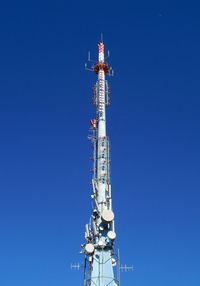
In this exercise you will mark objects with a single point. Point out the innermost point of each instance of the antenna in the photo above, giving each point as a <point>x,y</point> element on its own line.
<point>95,66</point>
<point>102,37</point>
<point>126,268</point>
<point>100,233</point>
<point>100,258</point>
<point>75,266</point>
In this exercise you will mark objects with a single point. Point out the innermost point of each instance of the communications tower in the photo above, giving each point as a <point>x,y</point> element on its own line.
<point>100,258</point>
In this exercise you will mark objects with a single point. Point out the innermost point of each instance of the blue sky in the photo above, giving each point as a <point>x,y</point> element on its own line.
<point>153,124</point>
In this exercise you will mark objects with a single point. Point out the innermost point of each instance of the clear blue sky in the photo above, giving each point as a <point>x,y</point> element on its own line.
<point>154,126</point>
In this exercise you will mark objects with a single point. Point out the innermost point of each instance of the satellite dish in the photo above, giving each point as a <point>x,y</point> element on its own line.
<point>107,216</point>
<point>89,248</point>
<point>111,235</point>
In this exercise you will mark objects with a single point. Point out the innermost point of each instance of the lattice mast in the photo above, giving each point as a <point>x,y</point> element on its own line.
<point>100,235</point>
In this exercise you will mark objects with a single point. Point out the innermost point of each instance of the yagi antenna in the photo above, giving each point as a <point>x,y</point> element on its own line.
<point>126,268</point>
<point>75,266</point>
